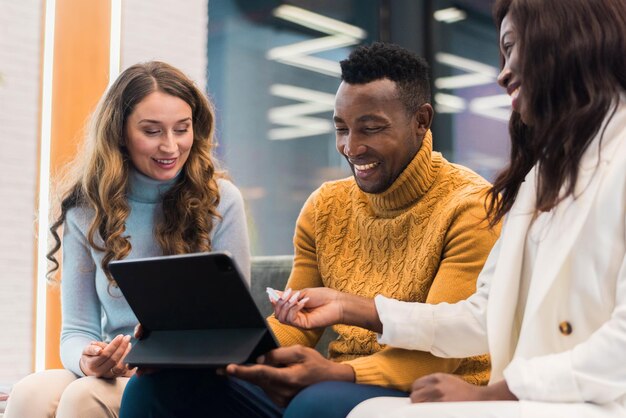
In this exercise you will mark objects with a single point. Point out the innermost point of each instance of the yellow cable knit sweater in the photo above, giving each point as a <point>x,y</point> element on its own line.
<point>423,239</point>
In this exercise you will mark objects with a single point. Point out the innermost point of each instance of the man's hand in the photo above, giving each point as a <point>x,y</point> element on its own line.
<point>316,307</point>
<point>284,372</point>
<point>106,360</point>
<point>442,387</point>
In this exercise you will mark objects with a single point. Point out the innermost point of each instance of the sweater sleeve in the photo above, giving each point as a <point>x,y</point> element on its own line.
<point>81,309</point>
<point>466,247</point>
<point>231,231</point>
<point>304,274</point>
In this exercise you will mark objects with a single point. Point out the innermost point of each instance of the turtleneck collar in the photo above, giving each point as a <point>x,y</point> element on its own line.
<point>144,189</point>
<point>411,184</point>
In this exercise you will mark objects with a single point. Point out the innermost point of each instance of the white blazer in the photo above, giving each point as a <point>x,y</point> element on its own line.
<point>572,344</point>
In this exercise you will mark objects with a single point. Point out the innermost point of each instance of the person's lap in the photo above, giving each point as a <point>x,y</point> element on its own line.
<point>201,393</point>
<point>334,399</point>
<point>386,407</point>
<point>194,393</point>
<point>61,393</point>
<point>403,408</point>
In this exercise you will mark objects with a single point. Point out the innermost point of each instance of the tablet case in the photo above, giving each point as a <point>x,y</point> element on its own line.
<point>196,311</point>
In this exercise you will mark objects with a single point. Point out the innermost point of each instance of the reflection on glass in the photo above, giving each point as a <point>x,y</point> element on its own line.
<point>472,111</point>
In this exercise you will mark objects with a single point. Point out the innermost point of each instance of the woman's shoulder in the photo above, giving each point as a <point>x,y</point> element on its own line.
<point>80,215</point>
<point>228,190</point>
<point>230,196</point>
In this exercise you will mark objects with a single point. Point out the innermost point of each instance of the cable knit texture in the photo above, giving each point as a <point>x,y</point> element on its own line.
<point>424,240</point>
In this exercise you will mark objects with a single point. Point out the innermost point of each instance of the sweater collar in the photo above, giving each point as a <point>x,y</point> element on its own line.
<point>411,184</point>
<point>144,189</point>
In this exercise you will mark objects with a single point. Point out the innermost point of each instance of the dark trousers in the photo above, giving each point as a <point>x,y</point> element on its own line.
<point>202,393</point>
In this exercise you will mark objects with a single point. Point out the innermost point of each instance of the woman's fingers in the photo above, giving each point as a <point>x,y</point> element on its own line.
<point>122,349</point>
<point>138,333</point>
<point>106,360</point>
<point>121,368</point>
<point>121,363</point>
<point>279,304</point>
<point>92,350</point>
<point>286,309</point>
<point>292,312</point>
<point>286,304</point>
<point>113,352</point>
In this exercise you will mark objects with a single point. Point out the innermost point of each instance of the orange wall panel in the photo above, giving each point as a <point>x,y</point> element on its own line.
<point>80,76</point>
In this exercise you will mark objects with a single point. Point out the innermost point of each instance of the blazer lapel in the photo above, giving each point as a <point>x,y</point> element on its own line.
<point>504,290</point>
<point>574,212</point>
<point>559,241</point>
<point>505,283</point>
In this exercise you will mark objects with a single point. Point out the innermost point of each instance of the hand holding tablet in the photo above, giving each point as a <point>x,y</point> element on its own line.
<point>184,305</point>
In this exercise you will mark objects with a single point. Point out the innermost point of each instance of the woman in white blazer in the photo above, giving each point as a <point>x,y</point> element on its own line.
<point>550,304</point>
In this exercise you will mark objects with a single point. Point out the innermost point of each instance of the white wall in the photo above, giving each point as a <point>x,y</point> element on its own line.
<point>20,50</point>
<point>166,30</point>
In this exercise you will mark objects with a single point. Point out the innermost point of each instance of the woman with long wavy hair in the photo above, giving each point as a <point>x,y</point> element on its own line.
<point>550,304</point>
<point>147,185</point>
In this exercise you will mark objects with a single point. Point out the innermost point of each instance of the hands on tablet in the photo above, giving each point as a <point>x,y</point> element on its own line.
<point>139,334</point>
<point>285,371</point>
<point>107,360</point>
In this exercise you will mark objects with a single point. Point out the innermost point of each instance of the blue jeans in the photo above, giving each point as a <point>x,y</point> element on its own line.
<point>202,393</point>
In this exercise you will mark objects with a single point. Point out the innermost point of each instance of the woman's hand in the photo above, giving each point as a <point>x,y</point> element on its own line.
<point>442,387</point>
<point>106,360</point>
<point>319,307</point>
<point>138,332</point>
<point>308,308</point>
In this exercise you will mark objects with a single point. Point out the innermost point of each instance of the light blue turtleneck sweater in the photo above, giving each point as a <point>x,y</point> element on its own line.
<point>94,310</point>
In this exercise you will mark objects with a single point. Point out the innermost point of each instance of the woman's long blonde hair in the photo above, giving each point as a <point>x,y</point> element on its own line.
<point>100,180</point>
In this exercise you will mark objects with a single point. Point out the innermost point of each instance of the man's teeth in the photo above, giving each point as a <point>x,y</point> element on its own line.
<point>165,161</point>
<point>365,166</point>
<point>515,93</point>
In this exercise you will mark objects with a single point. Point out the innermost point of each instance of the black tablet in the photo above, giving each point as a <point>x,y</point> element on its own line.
<point>196,310</point>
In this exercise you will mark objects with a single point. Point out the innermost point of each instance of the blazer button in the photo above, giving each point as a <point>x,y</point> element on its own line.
<point>565,328</point>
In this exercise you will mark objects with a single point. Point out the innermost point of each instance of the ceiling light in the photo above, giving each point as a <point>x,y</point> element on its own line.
<point>449,15</point>
<point>318,22</point>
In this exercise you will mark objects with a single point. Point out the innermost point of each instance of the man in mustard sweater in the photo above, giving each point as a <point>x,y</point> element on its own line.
<point>408,225</point>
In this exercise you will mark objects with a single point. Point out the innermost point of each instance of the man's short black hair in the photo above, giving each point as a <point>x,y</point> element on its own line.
<point>379,60</point>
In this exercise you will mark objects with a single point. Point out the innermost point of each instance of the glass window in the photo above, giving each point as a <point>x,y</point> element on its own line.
<point>471,110</point>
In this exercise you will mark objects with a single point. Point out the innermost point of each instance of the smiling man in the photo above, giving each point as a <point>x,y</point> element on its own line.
<point>380,127</point>
<point>408,225</point>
